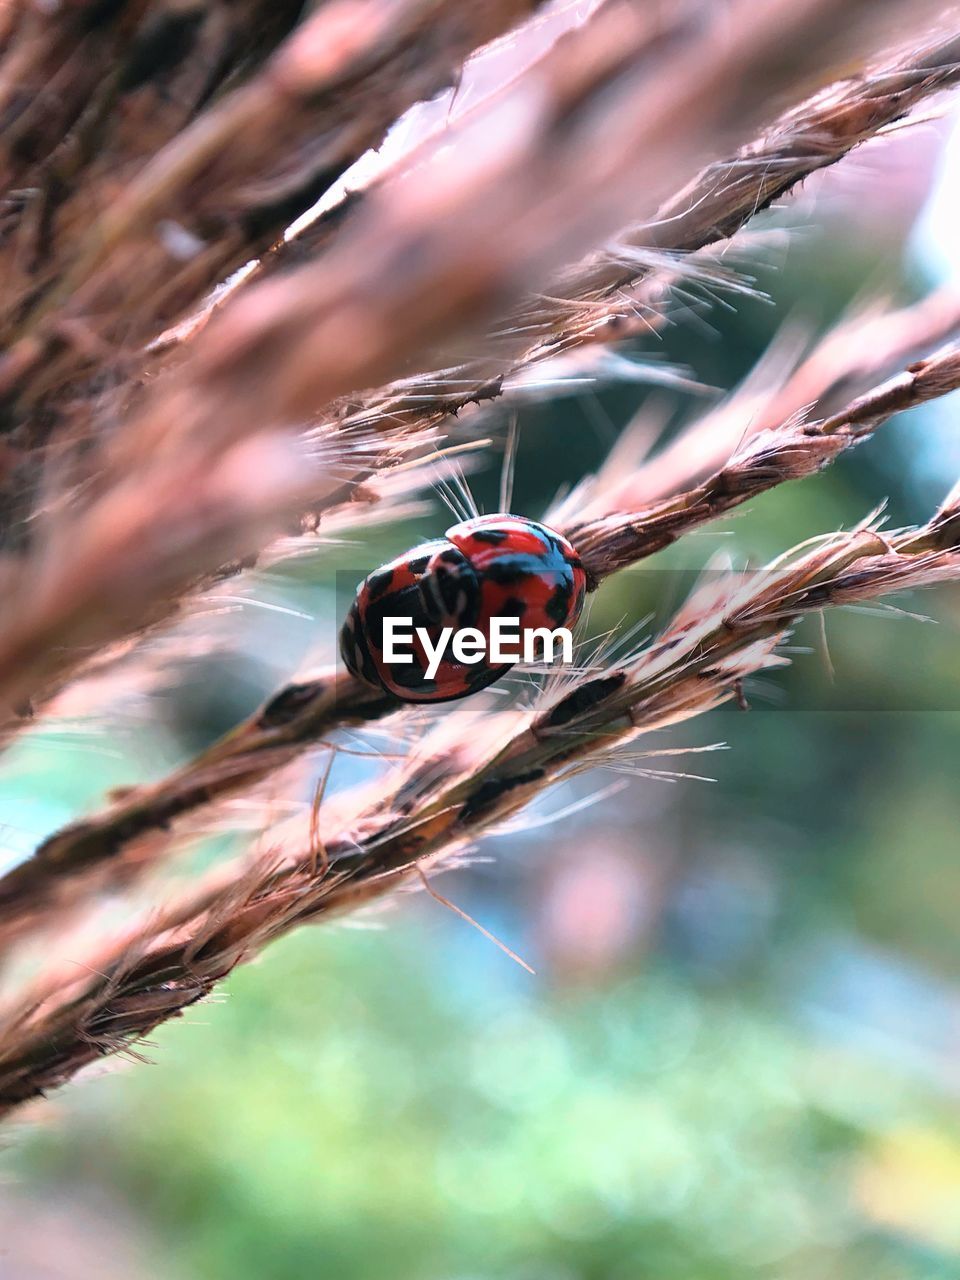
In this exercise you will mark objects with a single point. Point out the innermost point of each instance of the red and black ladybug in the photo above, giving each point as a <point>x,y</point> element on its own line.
<point>492,566</point>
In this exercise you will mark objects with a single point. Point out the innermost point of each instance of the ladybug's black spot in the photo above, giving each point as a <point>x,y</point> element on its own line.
<point>412,676</point>
<point>354,649</point>
<point>348,648</point>
<point>513,607</point>
<point>451,589</point>
<point>378,583</point>
<point>418,565</point>
<point>584,698</point>
<point>480,676</point>
<point>558,606</point>
<point>493,536</point>
<point>510,569</point>
<point>408,602</point>
<point>368,666</point>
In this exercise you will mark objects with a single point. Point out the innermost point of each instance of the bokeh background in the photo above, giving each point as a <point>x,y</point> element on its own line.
<point>740,1057</point>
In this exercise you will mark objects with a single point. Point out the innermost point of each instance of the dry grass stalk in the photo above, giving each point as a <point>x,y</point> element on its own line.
<point>603,299</point>
<point>392,491</point>
<point>88,93</point>
<point>863,349</point>
<point>141,492</point>
<point>171,500</point>
<point>303,713</point>
<point>458,786</point>
<point>806,138</point>
<point>344,472</point>
<point>85,83</point>
<point>225,187</point>
<point>136,224</point>
<point>122,65</point>
<point>769,457</point>
<point>561,177</point>
<point>111,563</point>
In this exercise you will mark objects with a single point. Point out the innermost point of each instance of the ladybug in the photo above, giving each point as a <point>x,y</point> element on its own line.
<point>491,566</point>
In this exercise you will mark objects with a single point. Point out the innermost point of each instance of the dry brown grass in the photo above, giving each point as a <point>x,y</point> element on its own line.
<point>150,148</point>
<point>464,779</point>
<point>304,713</point>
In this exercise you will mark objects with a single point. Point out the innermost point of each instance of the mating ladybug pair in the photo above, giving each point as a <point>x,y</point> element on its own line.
<point>496,566</point>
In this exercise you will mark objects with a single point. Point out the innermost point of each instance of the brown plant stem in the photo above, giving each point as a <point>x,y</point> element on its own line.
<point>425,266</point>
<point>444,800</point>
<point>231,182</point>
<point>79,81</point>
<point>599,299</point>
<point>163,204</point>
<point>861,349</point>
<point>789,451</point>
<point>302,714</point>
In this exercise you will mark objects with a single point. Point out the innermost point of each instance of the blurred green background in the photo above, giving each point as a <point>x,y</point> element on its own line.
<point>740,1058</point>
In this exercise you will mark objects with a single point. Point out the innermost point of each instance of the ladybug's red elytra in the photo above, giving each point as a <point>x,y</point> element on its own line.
<point>491,566</point>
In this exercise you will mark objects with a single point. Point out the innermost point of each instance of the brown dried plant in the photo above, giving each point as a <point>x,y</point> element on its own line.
<point>461,781</point>
<point>160,432</point>
<point>304,713</point>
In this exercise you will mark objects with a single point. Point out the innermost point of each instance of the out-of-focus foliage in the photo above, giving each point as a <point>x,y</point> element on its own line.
<point>357,1108</point>
<point>739,1059</point>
